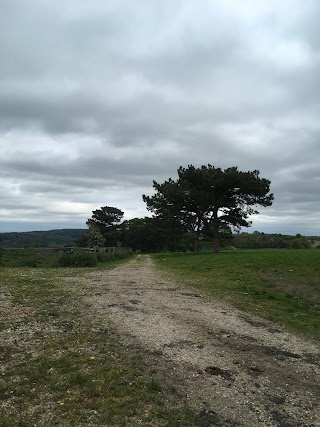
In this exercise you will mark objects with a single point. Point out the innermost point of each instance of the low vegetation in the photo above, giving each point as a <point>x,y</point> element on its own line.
<point>46,258</point>
<point>59,366</point>
<point>257,240</point>
<point>280,285</point>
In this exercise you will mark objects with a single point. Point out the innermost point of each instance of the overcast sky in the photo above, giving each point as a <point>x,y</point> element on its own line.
<point>99,98</point>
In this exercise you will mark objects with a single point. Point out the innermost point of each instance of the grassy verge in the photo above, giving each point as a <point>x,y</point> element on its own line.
<point>28,258</point>
<point>48,258</point>
<point>281,285</point>
<point>60,367</point>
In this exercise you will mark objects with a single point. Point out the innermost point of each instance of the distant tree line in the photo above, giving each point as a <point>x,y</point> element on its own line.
<point>41,239</point>
<point>154,235</point>
<point>259,240</point>
<point>203,207</point>
<point>150,235</point>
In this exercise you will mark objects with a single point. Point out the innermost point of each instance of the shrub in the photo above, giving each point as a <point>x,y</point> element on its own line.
<point>78,260</point>
<point>122,255</point>
<point>107,256</point>
<point>300,243</point>
<point>104,257</point>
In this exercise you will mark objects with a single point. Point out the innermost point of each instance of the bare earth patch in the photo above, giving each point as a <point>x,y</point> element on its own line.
<point>234,369</point>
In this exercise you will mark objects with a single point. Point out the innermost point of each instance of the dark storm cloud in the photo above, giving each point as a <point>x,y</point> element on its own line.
<point>98,99</point>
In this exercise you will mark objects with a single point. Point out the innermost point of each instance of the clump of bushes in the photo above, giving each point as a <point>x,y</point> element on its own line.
<point>106,257</point>
<point>83,259</point>
<point>300,242</point>
<point>78,260</point>
<point>51,259</point>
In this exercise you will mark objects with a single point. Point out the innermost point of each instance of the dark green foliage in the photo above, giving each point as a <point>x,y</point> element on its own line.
<point>78,260</point>
<point>207,201</point>
<point>257,240</point>
<point>152,235</point>
<point>94,238</point>
<point>104,257</point>
<point>300,242</point>
<point>134,233</point>
<point>83,259</point>
<point>107,220</point>
<point>107,256</point>
<point>105,217</point>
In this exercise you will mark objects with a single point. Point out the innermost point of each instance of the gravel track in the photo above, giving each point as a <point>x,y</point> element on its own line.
<point>234,369</point>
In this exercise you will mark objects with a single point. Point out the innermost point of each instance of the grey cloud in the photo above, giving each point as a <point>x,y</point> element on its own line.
<point>98,99</point>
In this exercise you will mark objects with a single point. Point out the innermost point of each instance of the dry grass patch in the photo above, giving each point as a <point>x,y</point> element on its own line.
<point>59,367</point>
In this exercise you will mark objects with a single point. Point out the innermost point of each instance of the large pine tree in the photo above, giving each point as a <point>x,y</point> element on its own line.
<point>209,200</point>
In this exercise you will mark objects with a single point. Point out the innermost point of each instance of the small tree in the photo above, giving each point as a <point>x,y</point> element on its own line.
<point>94,238</point>
<point>300,242</point>
<point>107,219</point>
<point>208,200</point>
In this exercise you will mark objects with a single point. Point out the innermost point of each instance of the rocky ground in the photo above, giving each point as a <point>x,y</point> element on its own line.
<point>234,369</point>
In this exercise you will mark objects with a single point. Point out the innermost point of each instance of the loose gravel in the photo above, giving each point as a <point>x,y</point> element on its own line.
<point>234,369</point>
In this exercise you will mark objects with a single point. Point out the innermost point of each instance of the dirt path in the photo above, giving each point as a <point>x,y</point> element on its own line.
<point>235,369</point>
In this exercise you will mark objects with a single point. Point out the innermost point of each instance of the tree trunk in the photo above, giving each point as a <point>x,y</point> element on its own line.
<point>197,242</point>
<point>215,235</point>
<point>215,244</point>
<point>196,245</point>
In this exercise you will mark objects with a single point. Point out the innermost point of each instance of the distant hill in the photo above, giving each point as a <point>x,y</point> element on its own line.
<point>41,239</point>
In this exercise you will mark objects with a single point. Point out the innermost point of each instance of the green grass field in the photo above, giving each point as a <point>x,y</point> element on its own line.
<point>30,257</point>
<point>61,367</point>
<point>280,285</point>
